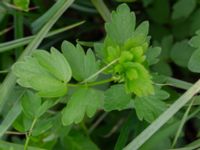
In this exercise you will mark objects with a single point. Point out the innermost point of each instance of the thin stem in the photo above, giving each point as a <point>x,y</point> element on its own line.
<point>178,83</point>
<point>92,83</point>
<point>4,71</point>
<point>182,123</point>
<point>83,126</point>
<point>100,71</point>
<point>6,30</point>
<point>97,122</point>
<point>15,133</point>
<point>102,9</point>
<point>23,41</point>
<point>29,134</point>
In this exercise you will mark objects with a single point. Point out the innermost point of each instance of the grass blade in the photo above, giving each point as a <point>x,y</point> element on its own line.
<point>102,9</point>
<point>23,41</point>
<point>182,123</point>
<point>163,118</point>
<point>11,146</point>
<point>11,116</point>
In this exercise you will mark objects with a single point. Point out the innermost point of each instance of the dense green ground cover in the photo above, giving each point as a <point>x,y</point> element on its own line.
<point>90,75</point>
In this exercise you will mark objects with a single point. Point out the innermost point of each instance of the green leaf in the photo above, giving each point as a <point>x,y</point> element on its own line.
<point>194,22</point>
<point>152,55</point>
<point>163,68</point>
<point>83,65</point>
<point>166,44</point>
<point>22,4</point>
<point>195,41</point>
<point>78,141</point>
<point>150,107</point>
<point>30,103</point>
<point>83,101</point>
<point>55,63</point>
<point>42,125</point>
<point>159,11</point>
<point>122,24</point>
<point>116,98</point>
<point>37,72</point>
<point>194,62</point>
<point>181,53</point>
<point>183,8</point>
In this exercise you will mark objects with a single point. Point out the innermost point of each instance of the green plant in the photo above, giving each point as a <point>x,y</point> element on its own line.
<point>64,94</point>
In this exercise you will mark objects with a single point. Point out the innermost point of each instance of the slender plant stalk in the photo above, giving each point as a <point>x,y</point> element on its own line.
<point>178,83</point>
<point>5,30</point>
<point>29,134</point>
<point>102,9</point>
<point>13,113</point>
<point>19,30</point>
<point>92,83</point>
<point>23,41</point>
<point>163,118</point>
<point>182,123</point>
<point>100,71</point>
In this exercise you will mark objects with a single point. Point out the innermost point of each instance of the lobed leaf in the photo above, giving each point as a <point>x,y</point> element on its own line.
<point>83,101</point>
<point>150,107</point>
<point>83,65</point>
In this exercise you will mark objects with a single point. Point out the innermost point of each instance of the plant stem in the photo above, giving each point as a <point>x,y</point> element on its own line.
<point>102,9</point>
<point>29,134</point>
<point>100,71</point>
<point>3,71</point>
<point>23,41</point>
<point>178,83</point>
<point>183,120</point>
<point>15,133</point>
<point>92,83</point>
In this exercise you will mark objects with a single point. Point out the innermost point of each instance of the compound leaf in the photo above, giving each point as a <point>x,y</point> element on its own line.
<point>37,73</point>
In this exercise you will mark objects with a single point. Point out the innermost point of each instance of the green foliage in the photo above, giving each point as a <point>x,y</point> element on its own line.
<point>183,8</point>
<point>116,98</point>
<point>194,64</point>
<point>83,65</point>
<point>181,53</point>
<point>122,25</point>
<point>129,50</point>
<point>32,105</point>
<point>22,4</point>
<point>46,73</point>
<point>83,101</point>
<point>112,85</point>
<point>152,55</point>
<point>78,141</point>
<point>150,107</point>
